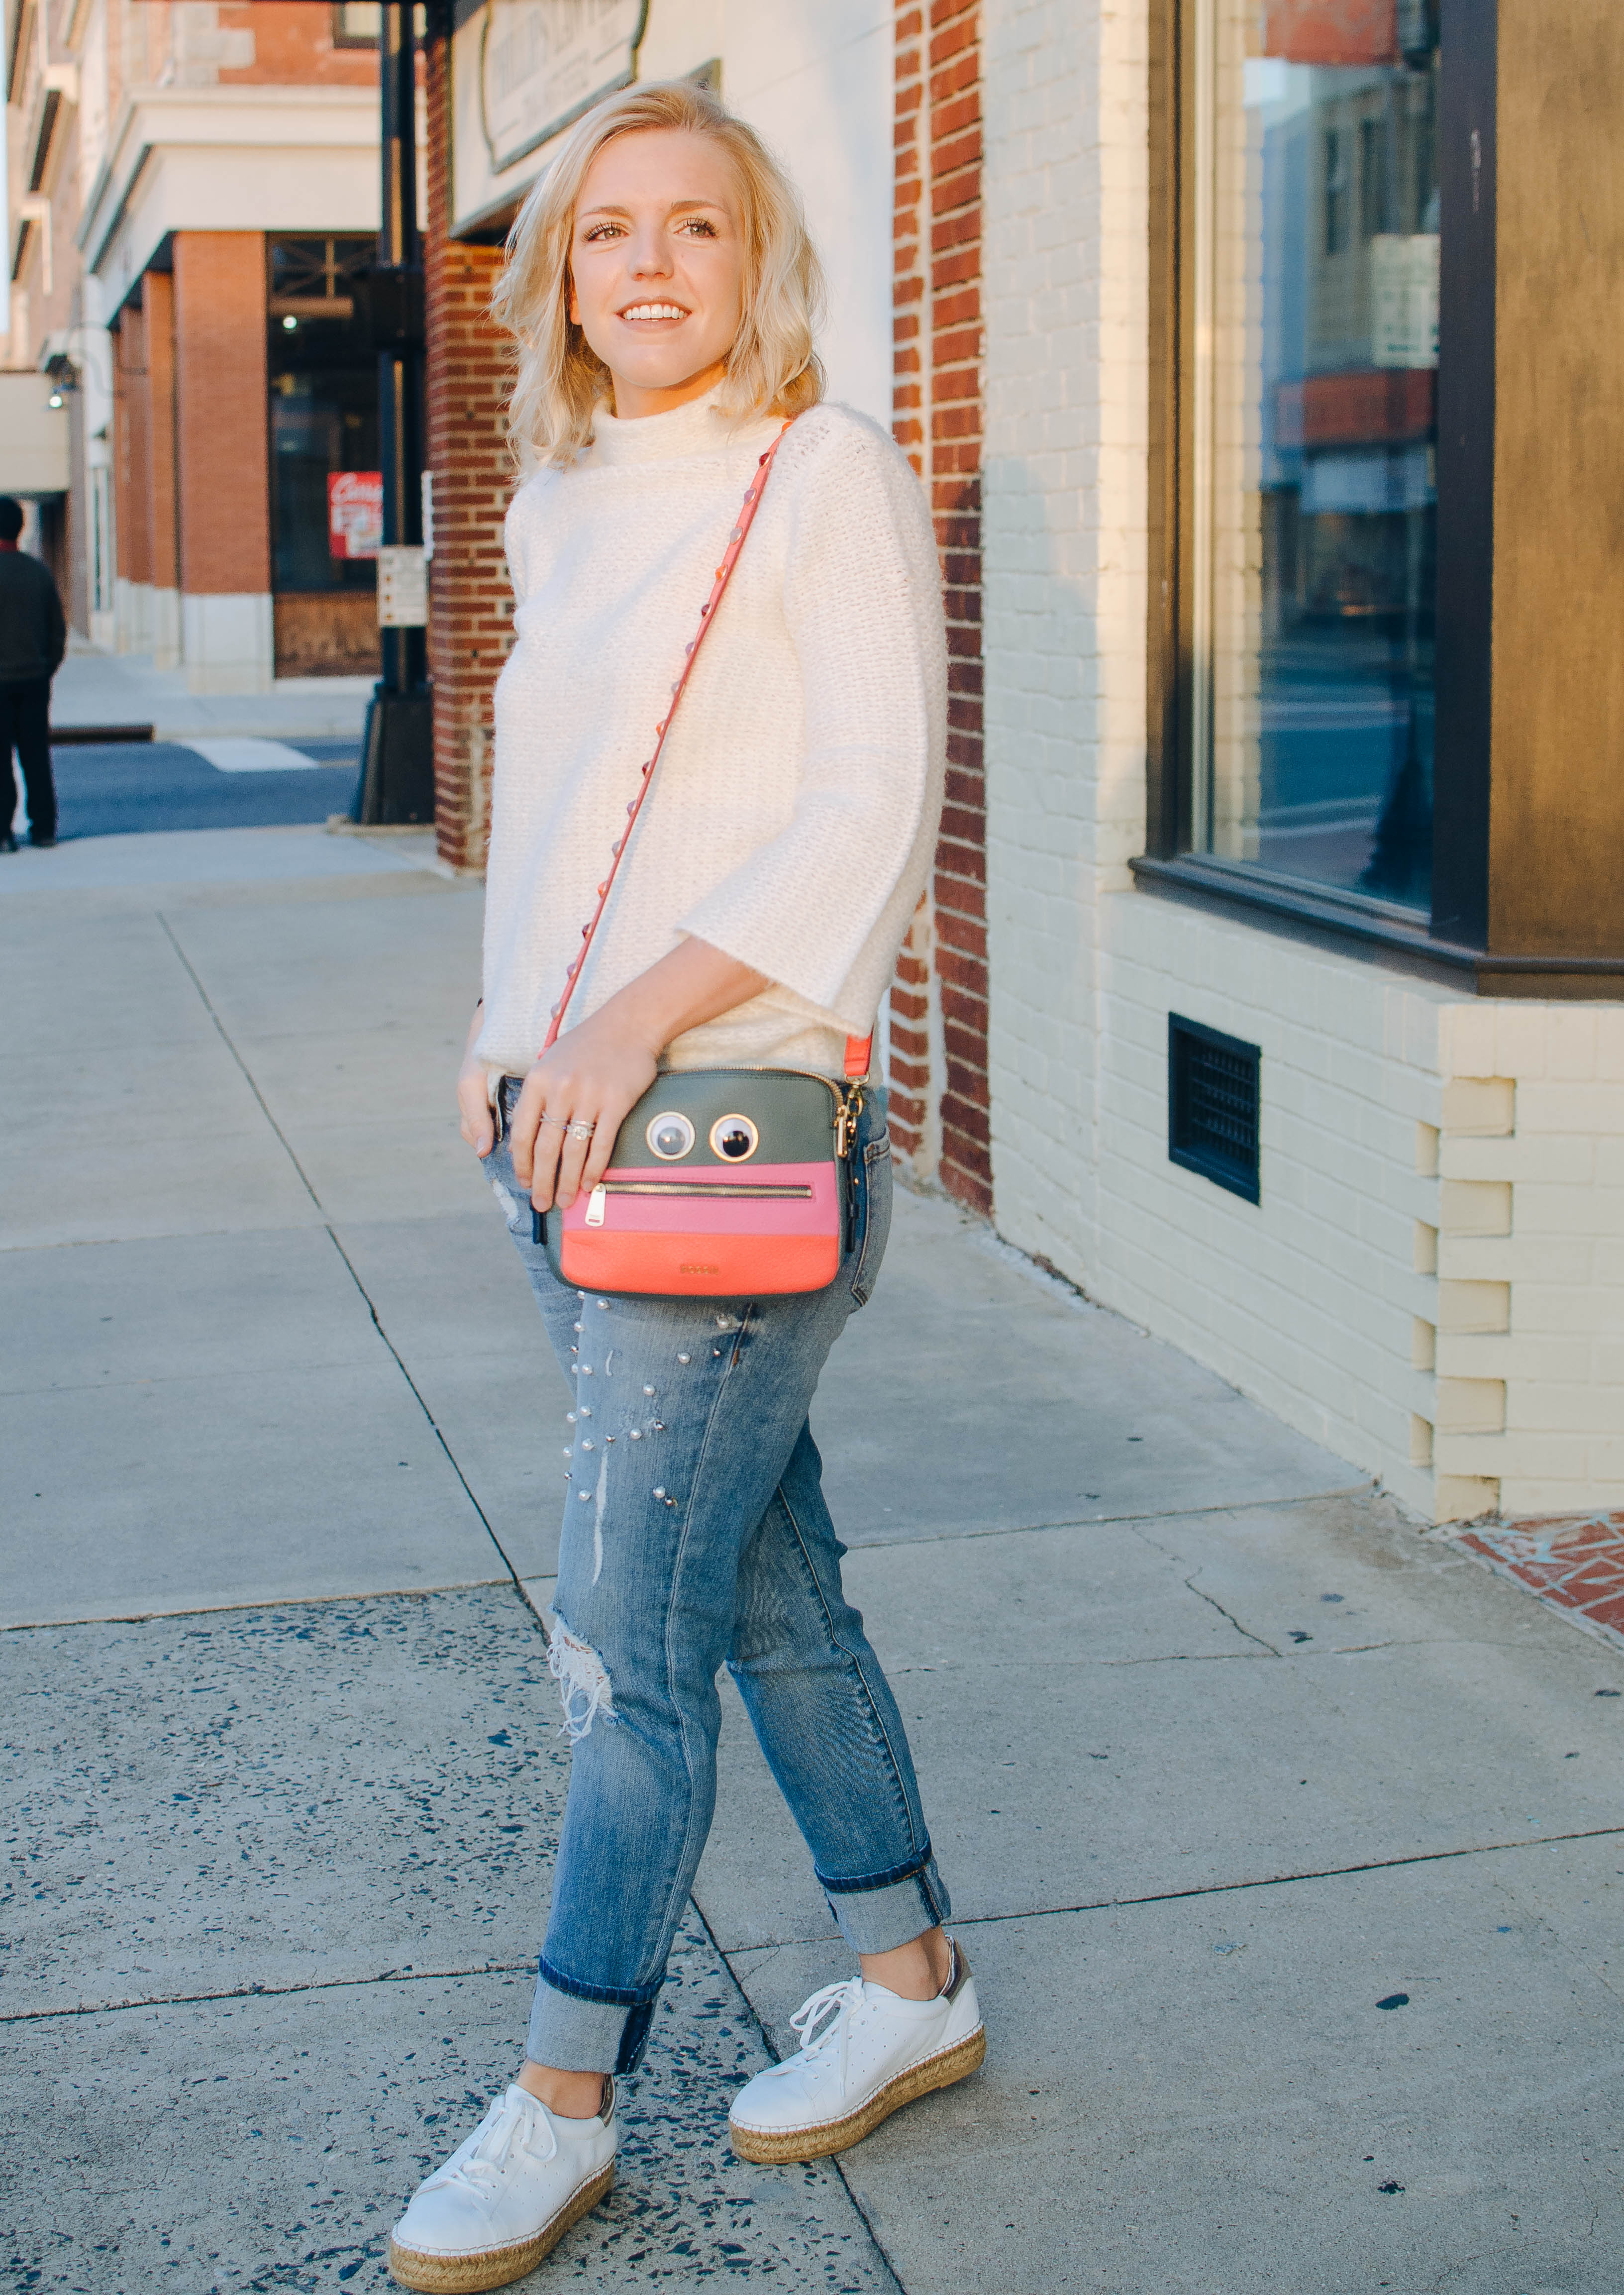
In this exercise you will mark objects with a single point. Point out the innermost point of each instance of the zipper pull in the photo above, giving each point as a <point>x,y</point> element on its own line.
<point>595,1202</point>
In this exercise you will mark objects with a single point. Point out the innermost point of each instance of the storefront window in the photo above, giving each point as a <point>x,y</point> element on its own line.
<point>1313,335</point>
<point>323,386</point>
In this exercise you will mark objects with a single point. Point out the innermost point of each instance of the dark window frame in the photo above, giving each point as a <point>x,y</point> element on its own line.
<point>342,38</point>
<point>1453,942</point>
<point>353,41</point>
<point>1336,189</point>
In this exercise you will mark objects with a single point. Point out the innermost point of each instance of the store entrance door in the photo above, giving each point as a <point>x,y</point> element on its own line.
<point>323,428</point>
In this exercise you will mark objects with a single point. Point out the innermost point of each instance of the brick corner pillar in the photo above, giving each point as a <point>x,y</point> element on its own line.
<point>134,590</point>
<point>940,1094</point>
<point>163,557</point>
<point>223,481</point>
<point>467,379</point>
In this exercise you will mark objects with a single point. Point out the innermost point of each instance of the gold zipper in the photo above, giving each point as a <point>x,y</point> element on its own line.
<point>690,1191</point>
<point>702,1187</point>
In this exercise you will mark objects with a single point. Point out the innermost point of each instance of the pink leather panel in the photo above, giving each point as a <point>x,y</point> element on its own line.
<point>817,1214</point>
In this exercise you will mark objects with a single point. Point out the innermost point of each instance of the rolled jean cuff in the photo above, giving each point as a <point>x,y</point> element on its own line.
<point>879,1913</point>
<point>579,2029</point>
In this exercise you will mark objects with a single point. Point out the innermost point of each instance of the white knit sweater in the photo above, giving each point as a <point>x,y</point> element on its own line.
<point>794,813</point>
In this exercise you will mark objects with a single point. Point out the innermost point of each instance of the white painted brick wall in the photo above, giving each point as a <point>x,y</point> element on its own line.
<point>1386,1184</point>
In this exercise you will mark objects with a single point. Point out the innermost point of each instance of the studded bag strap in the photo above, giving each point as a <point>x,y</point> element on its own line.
<point>857,1047</point>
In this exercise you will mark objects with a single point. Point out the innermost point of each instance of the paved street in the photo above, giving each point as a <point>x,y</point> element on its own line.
<point>1282,1837</point>
<point>139,787</point>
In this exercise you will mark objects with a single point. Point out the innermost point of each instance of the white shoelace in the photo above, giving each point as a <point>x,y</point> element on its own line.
<point>506,2128</point>
<point>825,2019</point>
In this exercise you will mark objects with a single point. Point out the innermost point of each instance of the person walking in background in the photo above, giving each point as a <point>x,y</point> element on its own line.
<point>663,290</point>
<point>33,640</point>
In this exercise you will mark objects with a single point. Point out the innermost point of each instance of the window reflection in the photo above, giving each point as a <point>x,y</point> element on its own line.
<point>1316,343</point>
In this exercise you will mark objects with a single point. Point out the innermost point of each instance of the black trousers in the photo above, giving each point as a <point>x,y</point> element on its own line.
<point>25,726</point>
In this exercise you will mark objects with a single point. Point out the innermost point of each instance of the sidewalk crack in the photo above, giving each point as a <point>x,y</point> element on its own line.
<point>248,1074</point>
<point>1246,1631</point>
<point>415,1391</point>
<point>266,1991</point>
<point>859,2200</point>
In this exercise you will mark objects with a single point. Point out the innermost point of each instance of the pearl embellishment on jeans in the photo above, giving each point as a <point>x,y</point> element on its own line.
<point>685,1358</point>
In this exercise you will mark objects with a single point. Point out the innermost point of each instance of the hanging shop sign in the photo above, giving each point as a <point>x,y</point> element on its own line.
<point>354,513</point>
<point>522,71</point>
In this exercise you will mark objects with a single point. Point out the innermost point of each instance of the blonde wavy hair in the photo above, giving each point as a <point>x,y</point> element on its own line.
<point>773,367</point>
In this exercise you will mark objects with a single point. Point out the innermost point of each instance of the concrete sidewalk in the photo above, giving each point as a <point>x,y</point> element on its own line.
<point>102,689</point>
<point>1281,1837</point>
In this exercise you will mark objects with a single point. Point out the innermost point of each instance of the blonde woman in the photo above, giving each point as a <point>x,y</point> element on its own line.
<point>661,287</point>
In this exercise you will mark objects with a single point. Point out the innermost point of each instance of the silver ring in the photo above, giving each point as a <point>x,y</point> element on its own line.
<point>580,1131</point>
<point>562,1121</point>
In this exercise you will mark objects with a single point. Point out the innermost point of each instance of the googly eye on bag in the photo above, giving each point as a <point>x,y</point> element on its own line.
<point>669,1136</point>
<point>734,1138</point>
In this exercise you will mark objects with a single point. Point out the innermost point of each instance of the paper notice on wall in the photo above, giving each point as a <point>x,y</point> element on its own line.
<point>354,513</point>
<point>403,587</point>
<point>1404,299</point>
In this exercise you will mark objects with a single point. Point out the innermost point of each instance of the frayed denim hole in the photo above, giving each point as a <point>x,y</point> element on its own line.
<point>584,1688</point>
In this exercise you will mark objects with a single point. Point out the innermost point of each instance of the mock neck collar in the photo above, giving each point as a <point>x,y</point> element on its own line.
<point>699,428</point>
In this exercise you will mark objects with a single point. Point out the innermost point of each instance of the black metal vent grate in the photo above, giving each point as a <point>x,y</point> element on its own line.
<point>1212,1084</point>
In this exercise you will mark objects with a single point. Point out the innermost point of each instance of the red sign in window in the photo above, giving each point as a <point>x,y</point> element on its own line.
<point>354,512</point>
<point>1332,31</point>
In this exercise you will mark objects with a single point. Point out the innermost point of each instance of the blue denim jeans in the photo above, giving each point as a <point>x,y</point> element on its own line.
<point>696,1535</point>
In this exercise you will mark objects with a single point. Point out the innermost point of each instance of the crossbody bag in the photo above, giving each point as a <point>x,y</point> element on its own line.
<point>723,1183</point>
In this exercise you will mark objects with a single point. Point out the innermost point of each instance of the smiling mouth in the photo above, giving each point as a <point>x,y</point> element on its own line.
<point>642,312</point>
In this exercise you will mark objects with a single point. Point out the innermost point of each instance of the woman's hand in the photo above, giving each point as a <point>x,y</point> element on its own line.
<point>478,1126</point>
<point>592,1076</point>
<point>595,1073</point>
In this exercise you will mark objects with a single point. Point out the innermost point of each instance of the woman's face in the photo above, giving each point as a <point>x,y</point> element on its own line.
<point>656,266</point>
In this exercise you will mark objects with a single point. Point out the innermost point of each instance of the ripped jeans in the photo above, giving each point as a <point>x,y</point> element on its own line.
<point>696,1535</point>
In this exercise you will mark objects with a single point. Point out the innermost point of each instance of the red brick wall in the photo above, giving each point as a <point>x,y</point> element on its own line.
<point>221,414</point>
<point>938,419</point>
<point>471,604</point>
<point>158,312</point>
<point>293,43</point>
<point>131,473</point>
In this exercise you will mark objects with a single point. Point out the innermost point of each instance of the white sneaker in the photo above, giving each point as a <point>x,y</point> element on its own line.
<point>505,2198</point>
<point>864,2053</point>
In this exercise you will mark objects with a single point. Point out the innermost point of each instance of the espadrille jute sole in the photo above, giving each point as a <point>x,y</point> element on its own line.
<point>778,2146</point>
<point>497,2267</point>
